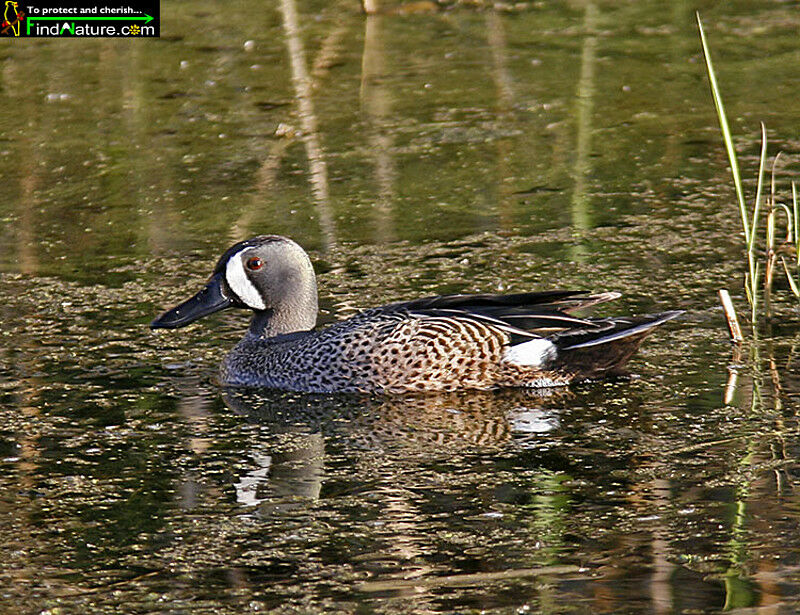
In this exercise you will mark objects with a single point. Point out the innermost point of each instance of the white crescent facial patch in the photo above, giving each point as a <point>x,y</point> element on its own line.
<point>241,284</point>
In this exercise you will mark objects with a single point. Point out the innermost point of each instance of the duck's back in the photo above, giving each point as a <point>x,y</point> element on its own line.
<point>446,343</point>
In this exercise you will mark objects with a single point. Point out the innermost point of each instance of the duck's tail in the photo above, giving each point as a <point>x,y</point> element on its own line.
<point>591,353</point>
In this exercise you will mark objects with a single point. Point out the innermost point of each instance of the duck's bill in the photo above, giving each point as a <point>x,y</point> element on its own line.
<point>209,300</point>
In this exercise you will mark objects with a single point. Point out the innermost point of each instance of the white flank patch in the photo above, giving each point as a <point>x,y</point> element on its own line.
<point>531,354</point>
<point>241,284</point>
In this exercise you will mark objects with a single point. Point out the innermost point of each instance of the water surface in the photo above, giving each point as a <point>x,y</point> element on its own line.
<point>463,149</point>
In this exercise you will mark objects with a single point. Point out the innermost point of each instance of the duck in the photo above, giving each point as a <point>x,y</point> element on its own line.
<point>431,344</point>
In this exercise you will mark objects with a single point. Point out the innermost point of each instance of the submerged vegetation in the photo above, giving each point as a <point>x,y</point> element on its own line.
<point>750,225</point>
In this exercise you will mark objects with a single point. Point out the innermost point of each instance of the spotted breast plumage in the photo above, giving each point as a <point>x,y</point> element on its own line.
<point>439,343</point>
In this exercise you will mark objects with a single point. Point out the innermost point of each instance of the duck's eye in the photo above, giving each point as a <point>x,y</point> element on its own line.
<point>254,263</point>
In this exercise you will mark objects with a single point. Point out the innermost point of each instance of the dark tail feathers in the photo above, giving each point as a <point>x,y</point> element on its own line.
<point>591,353</point>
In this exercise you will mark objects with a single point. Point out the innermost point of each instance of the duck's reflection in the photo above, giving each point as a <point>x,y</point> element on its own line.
<point>290,463</point>
<point>296,473</point>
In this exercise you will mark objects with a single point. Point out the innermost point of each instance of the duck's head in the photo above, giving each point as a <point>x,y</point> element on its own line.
<point>269,274</point>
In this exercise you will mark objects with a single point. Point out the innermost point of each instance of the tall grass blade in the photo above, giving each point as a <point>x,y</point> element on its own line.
<point>787,211</point>
<point>769,268</point>
<point>756,274</point>
<point>792,283</point>
<point>762,162</point>
<point>796,223</point>
<point>750,297</point>
<point>726,133</point>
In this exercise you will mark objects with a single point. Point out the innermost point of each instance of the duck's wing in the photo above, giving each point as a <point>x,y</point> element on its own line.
<point>523,316</point>
<point>563,300</point>
<point>526,316</point>
<point>612,329</point>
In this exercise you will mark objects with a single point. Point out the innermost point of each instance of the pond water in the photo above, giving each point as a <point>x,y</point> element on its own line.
<point>426,150</point>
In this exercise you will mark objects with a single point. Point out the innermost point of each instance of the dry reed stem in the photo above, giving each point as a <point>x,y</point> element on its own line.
<point>730,316</point>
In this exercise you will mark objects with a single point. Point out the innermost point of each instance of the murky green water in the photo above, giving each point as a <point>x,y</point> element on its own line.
<point>534,146</point>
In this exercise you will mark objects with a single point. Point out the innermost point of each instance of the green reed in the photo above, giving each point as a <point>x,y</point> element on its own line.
<point>750,224</point>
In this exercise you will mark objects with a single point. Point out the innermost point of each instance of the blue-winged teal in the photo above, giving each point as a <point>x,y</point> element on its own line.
<point>434,344</point>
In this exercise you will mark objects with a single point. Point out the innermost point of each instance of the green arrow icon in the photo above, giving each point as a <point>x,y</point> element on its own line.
<point>146,18</point>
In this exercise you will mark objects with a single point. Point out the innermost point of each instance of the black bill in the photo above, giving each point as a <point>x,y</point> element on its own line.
<point>209,300</point>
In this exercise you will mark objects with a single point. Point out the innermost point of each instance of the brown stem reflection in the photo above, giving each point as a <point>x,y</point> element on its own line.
<point>505,100</point>
<point>269,168</point>
<point>24,356</point>
<point>376,104</point>
<point>762,474</point>
<point>663,568</point>
<point>581,210</point>
<point>308,119</point>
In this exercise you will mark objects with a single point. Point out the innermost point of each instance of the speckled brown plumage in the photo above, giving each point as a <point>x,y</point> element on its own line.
<point>403,348</point>
<point>441,343</point>
<point>376,351</point>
